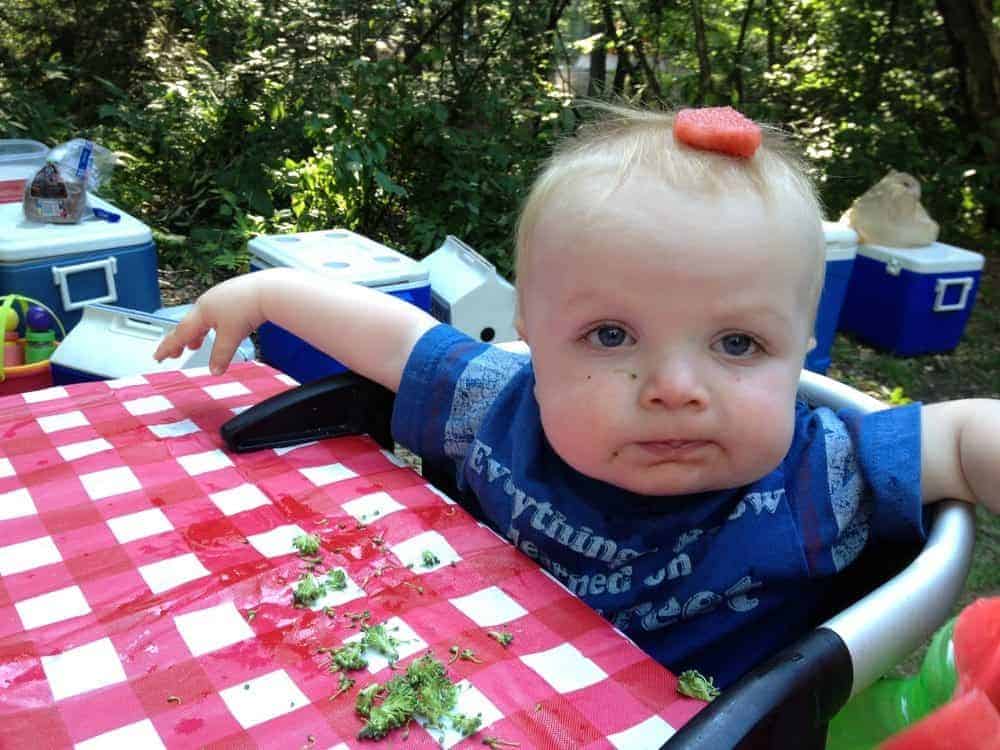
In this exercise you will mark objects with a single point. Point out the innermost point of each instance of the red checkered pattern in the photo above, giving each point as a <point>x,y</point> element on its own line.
<point>146,577</point>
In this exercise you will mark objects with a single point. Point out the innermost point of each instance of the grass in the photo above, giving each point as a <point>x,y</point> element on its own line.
<point>971,370</point>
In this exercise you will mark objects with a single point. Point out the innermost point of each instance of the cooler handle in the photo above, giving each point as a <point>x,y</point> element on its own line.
<point>942,287</point>
<point>61,274</point>
<point>139,328</point>
<point>471,255</point>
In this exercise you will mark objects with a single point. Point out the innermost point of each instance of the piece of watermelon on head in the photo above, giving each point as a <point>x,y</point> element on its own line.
<point>719,129</point>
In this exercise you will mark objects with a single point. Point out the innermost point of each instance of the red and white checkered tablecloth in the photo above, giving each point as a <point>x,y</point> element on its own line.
<point>146,577</point>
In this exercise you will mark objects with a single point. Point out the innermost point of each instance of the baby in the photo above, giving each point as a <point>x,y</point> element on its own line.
<point>651,454</point>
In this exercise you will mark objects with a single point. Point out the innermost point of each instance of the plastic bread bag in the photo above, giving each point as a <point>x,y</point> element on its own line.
<point>57,194</point>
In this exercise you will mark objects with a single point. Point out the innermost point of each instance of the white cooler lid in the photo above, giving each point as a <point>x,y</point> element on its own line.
<point>935,258</point>
<point>23,240</point>
<point>841,241</point>
<point>338,253</point>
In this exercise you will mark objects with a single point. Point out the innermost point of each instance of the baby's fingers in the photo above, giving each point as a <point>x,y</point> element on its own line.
<point>188,333</point>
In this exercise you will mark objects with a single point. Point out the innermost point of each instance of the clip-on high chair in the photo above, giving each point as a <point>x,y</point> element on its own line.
<point>881,609</point>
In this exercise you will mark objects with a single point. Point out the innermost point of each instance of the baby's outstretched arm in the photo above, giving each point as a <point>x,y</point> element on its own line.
<point>370,332</point>
<point>960,452</point>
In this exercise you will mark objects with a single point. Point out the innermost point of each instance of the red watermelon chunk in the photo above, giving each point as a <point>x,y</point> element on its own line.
<point>976,642</point>
<point>719,129</point>
<point>969,722</point>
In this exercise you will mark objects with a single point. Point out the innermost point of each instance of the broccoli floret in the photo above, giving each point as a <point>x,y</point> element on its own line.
<point>306,544</point>
<point>336,580</point>
<point>694,684</point>
<point>377,639</point>
<point>307,591</point>
<point>466,725</point>
<point>397,708</point>
<point>429,559</point>
<point>349,656</point>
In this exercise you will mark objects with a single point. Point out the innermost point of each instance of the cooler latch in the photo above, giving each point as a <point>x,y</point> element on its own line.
<point>942,287</point>
<point>61,274</point>
<point>893,266</point>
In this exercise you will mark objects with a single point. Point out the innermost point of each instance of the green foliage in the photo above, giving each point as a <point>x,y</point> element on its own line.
<point>407,121</point>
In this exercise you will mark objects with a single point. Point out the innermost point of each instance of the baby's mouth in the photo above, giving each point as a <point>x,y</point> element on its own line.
<point>672,449</point>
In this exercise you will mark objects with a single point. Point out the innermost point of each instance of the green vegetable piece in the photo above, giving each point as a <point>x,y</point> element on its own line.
<point>349,657</point>
<point>307,591</point>
<point>378,639</point>
<point>466,725</point>
<point>366,699</point>
<point>397,708</point>
<point>336,580</point>
<point>306,544</point>
<point>694,684</point>
<point>429,559</point>
<point>501,636</point>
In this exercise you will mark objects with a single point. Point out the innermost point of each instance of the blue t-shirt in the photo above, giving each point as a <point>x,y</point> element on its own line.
<point>715,581</point>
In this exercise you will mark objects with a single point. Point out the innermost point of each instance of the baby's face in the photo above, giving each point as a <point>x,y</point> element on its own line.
<point>667,334</point>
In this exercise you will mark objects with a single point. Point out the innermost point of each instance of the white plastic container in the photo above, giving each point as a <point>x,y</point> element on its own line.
<point>841,250</point>
<point>19,161</point>
<point>468,293</point>
<point>116,342</point>
<point>333,254</point>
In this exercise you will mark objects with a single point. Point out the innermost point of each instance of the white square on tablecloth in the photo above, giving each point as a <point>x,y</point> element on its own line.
<point>488,607</point>
<point>108,482</point>
<point>212,628</point>
<point>277,541</point>
<point>393,458</point>
<point>652,732</point>
<point>225,390</point>
<point>263,698</point>
<point>289,448</point>
<point>470,702</point>
<point>46,394</point>
<point>409,644</point>
<point>196,372</point>
<point>286,379</point>
<point>238,499</point>
<point>16,504</point>
<point>147,405</point>
<point>200,463</point>
<point>6,468</point>
<point>166,574</point>
<point>174,429</point>
<point>82,669</point>
<point>411,552</point>
<point>565,668</point>
<point>141,734</point>
<point>126,382</point>
<point>73,451</point>
<point>138,525</point>
<point>34,553</point>
<point>65,421</point>
<point>439,493</point>
<point>54,606</point>
<point>323,475</point>
<point>369,507</point>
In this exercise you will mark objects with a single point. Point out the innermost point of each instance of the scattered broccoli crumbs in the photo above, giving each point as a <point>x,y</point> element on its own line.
<point>694,684</point>
<point>501,636</point>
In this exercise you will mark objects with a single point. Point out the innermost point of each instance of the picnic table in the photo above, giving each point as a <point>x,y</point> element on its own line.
<point>146,579</point>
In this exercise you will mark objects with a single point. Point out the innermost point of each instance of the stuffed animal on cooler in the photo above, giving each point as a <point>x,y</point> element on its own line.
<point>889,213</point>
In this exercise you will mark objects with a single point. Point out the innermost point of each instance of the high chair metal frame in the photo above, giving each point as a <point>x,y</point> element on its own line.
<point>883,607</point>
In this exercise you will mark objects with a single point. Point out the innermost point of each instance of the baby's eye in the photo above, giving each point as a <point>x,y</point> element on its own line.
<point>738,345</point>
<point>609,337</point>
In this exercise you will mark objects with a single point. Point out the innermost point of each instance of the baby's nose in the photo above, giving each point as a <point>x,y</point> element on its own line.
<point>673,384</point>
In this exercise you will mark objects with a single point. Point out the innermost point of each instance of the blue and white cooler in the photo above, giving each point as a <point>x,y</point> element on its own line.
<point>841,248</point>
<point>68,266</point>
<point>911,300</point>
<point>335,254</point>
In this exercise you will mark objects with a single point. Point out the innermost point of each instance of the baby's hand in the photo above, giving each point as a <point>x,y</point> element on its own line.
<point>231,309</point>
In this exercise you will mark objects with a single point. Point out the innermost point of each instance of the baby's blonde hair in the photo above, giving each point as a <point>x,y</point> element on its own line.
<point>624,140</point>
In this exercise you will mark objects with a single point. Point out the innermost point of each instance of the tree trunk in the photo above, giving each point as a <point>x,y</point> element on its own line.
<point>975,45</point>
<point>701,45</point>
<point>736,77</point>
<point>598,63</point>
